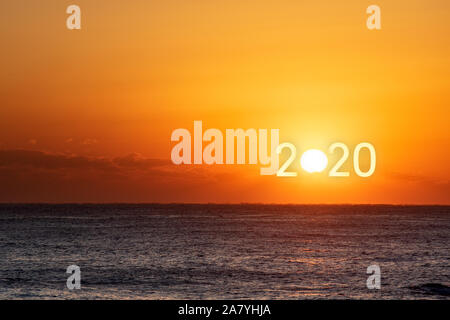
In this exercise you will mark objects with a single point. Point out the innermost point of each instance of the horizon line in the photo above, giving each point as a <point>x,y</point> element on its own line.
<point>225,203</point>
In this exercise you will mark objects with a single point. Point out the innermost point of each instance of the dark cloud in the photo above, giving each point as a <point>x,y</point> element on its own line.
<point>416,178</point>
<point>44,160</point>
<point>37,176</point>
<point>135,160</point>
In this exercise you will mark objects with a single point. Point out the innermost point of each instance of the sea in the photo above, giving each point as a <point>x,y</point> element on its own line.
<point>213,251</point>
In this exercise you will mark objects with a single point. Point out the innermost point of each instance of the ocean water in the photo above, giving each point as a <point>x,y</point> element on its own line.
<point>224,251</point>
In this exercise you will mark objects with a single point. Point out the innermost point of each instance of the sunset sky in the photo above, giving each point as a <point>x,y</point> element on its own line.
<point>86,115</point>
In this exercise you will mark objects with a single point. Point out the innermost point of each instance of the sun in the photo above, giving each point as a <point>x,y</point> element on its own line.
<point>314,160</point>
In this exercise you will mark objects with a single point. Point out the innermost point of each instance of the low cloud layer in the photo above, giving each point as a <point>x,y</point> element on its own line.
<point>37,176</point>
<point>43,160</point>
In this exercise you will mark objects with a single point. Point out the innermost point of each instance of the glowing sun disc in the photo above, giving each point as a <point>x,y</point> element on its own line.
<point>314,160</point>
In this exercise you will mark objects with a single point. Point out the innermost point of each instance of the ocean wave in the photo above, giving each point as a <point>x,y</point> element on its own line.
<point>432,289</point>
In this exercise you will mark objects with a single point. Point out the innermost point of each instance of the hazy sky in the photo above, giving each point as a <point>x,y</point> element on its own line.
<point>87,115</point>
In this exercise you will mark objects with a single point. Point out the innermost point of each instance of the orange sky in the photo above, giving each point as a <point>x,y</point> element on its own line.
<point>87,115</point>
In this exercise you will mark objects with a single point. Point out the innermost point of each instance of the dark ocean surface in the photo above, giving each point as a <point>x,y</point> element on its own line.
<point>224,251</point>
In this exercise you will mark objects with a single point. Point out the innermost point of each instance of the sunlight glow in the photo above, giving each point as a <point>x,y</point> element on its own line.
<point>314,160</point>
